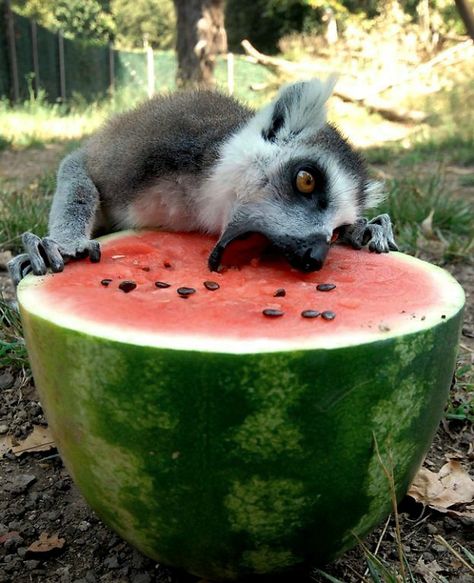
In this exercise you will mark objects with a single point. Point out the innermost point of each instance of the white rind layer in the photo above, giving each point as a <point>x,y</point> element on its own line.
<point>451,301</point>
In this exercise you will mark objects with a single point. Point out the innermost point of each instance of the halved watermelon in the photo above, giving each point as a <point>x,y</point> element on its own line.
<point>225,440</point>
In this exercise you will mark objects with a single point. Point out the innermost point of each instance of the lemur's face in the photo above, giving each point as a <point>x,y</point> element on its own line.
<point>295,179</point>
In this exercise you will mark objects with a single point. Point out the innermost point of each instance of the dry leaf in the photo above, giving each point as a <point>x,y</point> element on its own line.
<point>427,570</point>
<point>46,544</point>
<point>427,225</point>
<point>451,485</point>
<point>40,439</point>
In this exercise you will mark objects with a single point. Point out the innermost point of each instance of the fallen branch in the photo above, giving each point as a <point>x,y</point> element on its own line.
<point>386,110</point>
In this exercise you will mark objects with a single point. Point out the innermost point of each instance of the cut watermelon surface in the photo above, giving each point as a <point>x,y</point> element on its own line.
<point>225,441</point>
<point>375,296</point>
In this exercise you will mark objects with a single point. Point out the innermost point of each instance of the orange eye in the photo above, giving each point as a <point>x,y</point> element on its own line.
<point>305,182</point>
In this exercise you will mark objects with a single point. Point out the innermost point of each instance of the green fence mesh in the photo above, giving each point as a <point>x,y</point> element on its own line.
<point>87,67</point>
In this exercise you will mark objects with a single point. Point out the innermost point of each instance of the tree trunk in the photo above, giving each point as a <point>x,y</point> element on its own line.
<point>467,14</point>
<point>201,37</point>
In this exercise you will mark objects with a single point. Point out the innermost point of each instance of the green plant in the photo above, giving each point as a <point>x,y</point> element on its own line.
<point>12,346</point>
<point>25,210</point>
<point>413,199</point>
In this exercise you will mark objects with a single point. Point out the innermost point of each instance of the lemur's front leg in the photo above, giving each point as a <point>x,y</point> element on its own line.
<point>376,233</point>
<point>71,220</point>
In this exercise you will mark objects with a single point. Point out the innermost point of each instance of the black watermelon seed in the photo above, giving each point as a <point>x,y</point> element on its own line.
<point>106,282</point>
<point>280,293</point>
<point>310,313</point>
<point>272,313</point>
<point>211,285</point>
<point>162,284</point>
<point>184,292</point>
<point>167,264</point>
<point>325,286</point>
<point>443,316</point>
<point>127,285</point>
<point>328,315</point>
<point>145,269</point>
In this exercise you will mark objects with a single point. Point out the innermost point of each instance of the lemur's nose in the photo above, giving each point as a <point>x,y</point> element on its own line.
<point>311,255</point>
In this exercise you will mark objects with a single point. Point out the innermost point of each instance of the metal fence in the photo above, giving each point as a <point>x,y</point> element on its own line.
<point>34,59</point>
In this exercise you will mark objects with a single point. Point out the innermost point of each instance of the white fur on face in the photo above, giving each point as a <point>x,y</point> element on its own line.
<point>250,166</point>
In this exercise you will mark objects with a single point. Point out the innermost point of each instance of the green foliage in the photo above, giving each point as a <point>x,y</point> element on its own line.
<point>25,210</point>
<point>153,18</point>
<point>80,19</point>
<point>410,201</point>
<point>12,346</point>
<point>263,22</point>
<point>84,19</point>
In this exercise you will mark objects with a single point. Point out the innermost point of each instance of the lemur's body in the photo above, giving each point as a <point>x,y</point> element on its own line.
<point>202,161</point>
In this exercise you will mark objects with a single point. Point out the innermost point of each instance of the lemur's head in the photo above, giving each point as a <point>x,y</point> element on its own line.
<point>291,176</point>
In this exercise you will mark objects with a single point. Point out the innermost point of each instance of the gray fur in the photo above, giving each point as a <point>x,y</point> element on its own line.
<point>202,161</point>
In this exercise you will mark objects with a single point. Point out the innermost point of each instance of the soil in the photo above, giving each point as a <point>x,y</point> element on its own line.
<point>37,496</point>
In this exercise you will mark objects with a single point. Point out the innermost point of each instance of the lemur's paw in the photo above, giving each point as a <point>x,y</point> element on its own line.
<point>41,254</point>
<point>376,233</point>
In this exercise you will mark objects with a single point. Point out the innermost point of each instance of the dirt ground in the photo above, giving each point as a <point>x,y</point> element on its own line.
<point>37,496</point>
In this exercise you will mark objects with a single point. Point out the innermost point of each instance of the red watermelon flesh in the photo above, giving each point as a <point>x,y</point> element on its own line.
<point>374,294</point>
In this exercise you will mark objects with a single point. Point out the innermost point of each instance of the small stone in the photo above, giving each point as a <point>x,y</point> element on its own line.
<point>280,293</point>
<point>83,526</point>
<point>20,483</point>
<point>111,562</point>
<point>141,578</point>
<point>13,542</point>
<point>21,552</point>
<point>328,315</point>
<point>3,429</point>
<point>127,285</point>
<point>31,564</point>
<point>325,286</point>
<point>6,380</point>
<point>438,549</point>
<point>5,257</point>
<point>432,529</point>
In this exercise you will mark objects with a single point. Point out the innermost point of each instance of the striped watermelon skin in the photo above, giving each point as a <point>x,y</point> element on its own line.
<point>228,465</point>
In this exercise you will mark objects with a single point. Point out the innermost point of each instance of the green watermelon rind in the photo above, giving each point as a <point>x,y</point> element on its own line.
<point>230,464</point>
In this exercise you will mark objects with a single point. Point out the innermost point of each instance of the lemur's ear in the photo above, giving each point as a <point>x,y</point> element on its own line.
<point>300,106</point>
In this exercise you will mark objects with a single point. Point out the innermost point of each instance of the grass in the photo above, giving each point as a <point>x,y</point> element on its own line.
<point>410,202</point>
<point>461,404</point>
<point>12,347</point>
<point>25,210</point>
<point>36,122</point>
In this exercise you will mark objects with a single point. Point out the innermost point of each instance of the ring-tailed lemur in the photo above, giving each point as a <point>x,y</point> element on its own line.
<point>202,161</point>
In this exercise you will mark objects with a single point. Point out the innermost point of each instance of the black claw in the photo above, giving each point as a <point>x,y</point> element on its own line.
<point>53,255</point>
<point>25,271</point>
<point>18,267</point>
<point>33,247</point>
<point>81,253</point>
<point>94,252</point>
